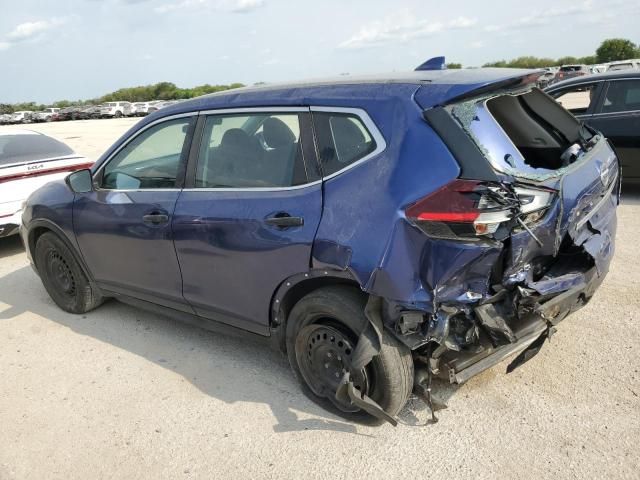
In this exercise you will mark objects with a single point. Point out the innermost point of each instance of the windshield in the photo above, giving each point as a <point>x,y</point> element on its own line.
<point>29,148</point>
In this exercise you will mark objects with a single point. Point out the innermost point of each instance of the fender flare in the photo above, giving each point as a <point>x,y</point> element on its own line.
<point>53,227</point>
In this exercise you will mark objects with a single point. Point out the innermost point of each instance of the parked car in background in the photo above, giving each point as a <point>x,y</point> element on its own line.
<point>28,160</point>
<point>625,65</point>
<point>46,115</point>
<point>89,112</point>
<point>609,103</point>
<point>598,68</point>
<point>22,116</point>
<point>68,113</point>
<point>157,105</point>
<point>115,109</point>
<point>140,109</point>
<point>380,231</point>
<point>569,71</point>
<point>5,118</point>
<point>546,78</point>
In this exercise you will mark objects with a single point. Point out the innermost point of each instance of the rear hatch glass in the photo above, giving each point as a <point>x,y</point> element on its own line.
<point>15,149</point>
<point>526,134</point>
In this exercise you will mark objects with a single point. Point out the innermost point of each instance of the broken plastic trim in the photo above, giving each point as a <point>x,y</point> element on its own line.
<point>368,346</point>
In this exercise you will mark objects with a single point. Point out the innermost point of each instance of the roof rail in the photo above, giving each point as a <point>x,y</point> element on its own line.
<point>435,63</point>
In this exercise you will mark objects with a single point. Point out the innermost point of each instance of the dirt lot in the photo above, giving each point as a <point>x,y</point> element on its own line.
<point>120,393</point>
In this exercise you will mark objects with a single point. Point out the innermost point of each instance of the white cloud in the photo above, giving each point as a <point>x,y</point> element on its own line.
<point>234,6</point>
<point>401,27</point>
<point>541,18</point>
<point>28,30</point>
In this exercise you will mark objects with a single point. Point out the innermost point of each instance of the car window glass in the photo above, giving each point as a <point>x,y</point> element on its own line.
<point>28,148</point>
<point>576,99</point>
<point>248,151</point>
<point>150,160</point>
<point>342,140</point>
<point>622,96</point>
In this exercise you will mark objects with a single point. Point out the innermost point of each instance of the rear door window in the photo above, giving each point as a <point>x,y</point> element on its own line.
<point>258,150</point>
<point>578,99</point>
<point>342,138</point>
<point>622,96</point>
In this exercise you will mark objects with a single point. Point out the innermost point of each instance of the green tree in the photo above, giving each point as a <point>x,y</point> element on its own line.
<point>614,49</point>
<point>454,66</point>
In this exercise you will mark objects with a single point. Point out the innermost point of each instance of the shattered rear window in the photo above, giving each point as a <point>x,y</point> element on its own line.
<point>524,133</point>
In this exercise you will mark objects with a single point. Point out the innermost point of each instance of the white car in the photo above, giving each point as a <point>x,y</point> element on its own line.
<point>28,160</point>
<point>23,116</point>
<point>140,109</point>
<point>626,65</point>
<point>115,109</point>
<point>45,115</point>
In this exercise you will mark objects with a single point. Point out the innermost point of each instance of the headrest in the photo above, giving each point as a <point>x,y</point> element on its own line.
<point>277,134</point>
<point>235,137</point>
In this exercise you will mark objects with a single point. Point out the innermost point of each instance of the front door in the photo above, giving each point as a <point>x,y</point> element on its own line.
<point>123,227</point>
<point>247,218</point>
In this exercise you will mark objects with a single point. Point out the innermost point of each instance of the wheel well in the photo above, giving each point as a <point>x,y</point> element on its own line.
<point>36,233</point>
<point>294,295</point>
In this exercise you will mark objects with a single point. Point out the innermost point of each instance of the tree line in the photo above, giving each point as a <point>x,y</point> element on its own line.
<point>610,50</point>
<point>146,93</point>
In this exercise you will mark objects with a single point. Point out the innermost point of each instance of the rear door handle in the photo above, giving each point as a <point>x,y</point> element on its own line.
<point>156,218</point>
<point>284,220</point>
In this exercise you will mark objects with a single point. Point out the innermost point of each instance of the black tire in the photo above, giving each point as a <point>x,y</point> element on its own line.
<point>63,277</point>
<point>388,379</point>
<point>118,114</point>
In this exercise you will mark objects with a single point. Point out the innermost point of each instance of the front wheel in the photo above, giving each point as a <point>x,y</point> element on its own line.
<point>322,333</point>
<point>63,277</point>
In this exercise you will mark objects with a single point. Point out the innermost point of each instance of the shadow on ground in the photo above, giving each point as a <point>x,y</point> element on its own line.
<point>10,246</point>
<point>223,367</point>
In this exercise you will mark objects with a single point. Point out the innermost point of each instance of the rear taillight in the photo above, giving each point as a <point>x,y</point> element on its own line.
<point>469,209</point>
<point>462,208</point>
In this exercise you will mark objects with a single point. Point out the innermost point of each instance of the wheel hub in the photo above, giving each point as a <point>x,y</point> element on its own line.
<point>326,358</point>
<point>60,273</point>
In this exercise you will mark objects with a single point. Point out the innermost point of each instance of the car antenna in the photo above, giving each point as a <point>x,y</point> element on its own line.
<point>435,63</point>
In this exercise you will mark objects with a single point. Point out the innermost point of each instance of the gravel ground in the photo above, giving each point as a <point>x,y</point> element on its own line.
<point>121,393</point>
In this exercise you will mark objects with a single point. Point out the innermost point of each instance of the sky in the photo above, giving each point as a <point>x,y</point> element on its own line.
<point>80,49</point>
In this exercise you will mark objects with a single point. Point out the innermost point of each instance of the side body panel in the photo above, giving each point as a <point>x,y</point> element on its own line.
<point>232,262</point>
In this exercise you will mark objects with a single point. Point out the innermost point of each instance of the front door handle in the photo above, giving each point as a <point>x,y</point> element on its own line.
<point>155,218</point>
<point>284,220</point>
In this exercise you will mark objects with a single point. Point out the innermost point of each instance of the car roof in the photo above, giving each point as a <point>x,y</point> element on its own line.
<point>439,85</point>
<point>619,74</point>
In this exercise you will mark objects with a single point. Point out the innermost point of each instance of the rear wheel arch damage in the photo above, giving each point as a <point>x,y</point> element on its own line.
<point>338,348</point>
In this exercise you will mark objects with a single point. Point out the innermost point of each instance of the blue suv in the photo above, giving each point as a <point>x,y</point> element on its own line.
<point>381,231</point>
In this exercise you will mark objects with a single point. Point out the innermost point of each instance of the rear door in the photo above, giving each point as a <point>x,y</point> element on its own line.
<point>618,118</point>
<point>247,218</point>
<point>581,100</point>
<point>123,226</point>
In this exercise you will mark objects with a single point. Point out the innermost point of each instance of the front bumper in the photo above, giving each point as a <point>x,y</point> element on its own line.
<point>9,225</point>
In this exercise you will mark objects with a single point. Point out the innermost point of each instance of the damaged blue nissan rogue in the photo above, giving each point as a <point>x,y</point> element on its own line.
<point>380,231</point>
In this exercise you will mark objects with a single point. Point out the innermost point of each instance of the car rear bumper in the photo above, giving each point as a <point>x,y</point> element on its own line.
<point>529,335</point>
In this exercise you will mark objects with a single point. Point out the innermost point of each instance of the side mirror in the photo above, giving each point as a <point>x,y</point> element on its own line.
<point>80,181</point>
